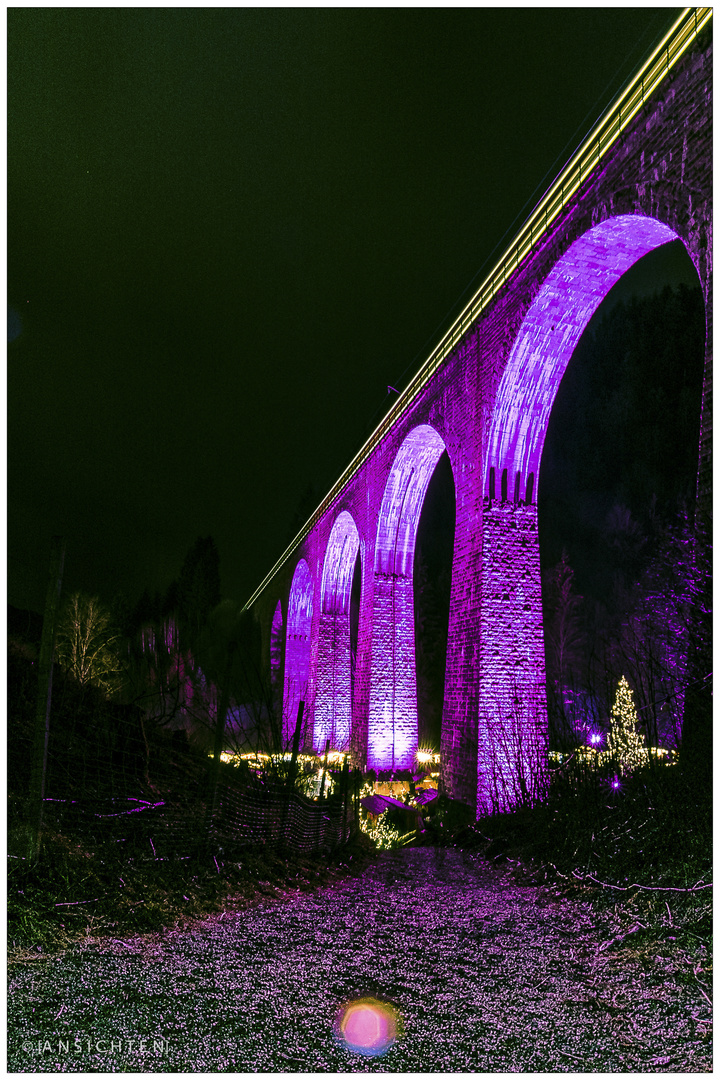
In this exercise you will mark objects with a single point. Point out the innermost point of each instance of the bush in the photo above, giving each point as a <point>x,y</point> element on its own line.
<point>646,842</point>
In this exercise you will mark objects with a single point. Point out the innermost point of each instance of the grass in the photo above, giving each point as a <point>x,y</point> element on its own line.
<point>92,879</point>
<point>641,852</point>
<point>74,893</point>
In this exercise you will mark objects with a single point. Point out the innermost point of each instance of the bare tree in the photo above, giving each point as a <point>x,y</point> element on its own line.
<point>88,646</point>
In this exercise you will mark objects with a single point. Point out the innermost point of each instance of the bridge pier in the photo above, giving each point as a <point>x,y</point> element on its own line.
<point>512,708</point>
<point>333,704</point>
<point>392,724</point>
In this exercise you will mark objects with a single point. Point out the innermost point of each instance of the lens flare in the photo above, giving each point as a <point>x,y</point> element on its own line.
<point>367,1026</point>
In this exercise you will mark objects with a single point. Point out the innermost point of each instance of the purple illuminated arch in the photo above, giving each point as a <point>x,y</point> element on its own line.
<point>297,648</point>
<point>392,721</point>
<point>512,712</point>
<point>570,295</point>
<point>333,694</point>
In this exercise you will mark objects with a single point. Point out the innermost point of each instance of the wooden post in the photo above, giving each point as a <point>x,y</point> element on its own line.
<point>321,796</point>
<point>344,833</point>
<point>291,774</point>
<point>42,713</point>
<point>217,748</point>
<point>296,743</point>
<point>322,782</point>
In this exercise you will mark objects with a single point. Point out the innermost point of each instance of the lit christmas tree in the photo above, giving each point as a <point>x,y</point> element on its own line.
<point>625,743</point>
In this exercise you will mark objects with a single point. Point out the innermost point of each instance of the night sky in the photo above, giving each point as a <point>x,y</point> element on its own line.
<point>230,229</point>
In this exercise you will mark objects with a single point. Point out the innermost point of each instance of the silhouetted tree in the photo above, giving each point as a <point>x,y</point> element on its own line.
<point>164,674</point>
<point>564,638</point>
<point>198,587</point>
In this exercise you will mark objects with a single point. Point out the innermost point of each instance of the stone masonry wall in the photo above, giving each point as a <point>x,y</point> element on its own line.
<point>662,168</point>
<point>512,724</point>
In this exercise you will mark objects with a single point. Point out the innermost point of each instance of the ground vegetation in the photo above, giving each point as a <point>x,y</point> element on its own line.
<point>484,973</point>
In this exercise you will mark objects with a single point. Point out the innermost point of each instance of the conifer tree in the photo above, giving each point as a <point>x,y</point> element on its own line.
<point>625,743</point>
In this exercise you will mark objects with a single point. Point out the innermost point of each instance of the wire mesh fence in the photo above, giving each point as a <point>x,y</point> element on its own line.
<point>117,780</point>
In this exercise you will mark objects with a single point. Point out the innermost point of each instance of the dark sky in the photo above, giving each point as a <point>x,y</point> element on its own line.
<point>230,229</point>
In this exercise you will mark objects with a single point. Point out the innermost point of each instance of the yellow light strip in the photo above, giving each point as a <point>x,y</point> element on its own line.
<point>605,133</point>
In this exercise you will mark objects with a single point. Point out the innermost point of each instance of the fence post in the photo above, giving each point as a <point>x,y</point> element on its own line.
<point>42,713</point>
<point>296,743</point>
<point>322,782</point>
<point>321,796</point>
<point>356,793</point>
<point>217,748</point>
<point>291,774</point>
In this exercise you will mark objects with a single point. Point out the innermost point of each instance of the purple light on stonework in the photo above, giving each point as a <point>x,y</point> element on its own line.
<point>297,646</point>
<point>512,711</point>
<point>276,644</point>
<point>333,693</point>
<point>570,295</point>
<point>392,721</point>
<point>402,501</point>
<point>339,564</point>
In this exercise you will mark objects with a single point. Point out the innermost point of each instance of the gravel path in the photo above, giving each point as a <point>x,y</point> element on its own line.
<point>488,976</point>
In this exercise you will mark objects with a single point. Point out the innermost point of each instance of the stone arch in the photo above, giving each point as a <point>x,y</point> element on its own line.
<point>512,715</point>
<point>333,691</point>
<point>297,646</point>
<point>392,720</point>
<point>571,293</point>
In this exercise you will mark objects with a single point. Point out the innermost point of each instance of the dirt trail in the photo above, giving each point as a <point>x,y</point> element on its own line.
<point>487,976</point>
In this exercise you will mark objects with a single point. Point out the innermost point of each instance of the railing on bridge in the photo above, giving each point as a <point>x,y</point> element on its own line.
<point>602,137</point>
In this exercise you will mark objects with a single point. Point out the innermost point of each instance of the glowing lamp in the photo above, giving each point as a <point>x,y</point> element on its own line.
<point>367,1026</point>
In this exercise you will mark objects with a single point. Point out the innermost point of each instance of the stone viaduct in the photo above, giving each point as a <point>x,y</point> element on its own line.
<point>642,178</point>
